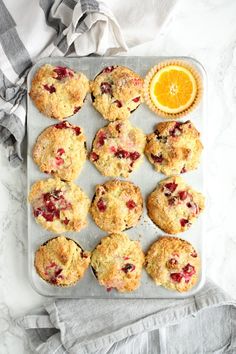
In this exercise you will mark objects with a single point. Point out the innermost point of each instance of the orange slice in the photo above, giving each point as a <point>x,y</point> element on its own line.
<point>173,89</point>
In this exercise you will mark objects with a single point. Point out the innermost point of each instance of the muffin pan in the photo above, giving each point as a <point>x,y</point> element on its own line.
<point>145,177</point>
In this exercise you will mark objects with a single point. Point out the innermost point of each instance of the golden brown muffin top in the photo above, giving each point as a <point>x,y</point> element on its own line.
<point>60,261</point>
<point>58,92</point>
<point>174,147</point>
<point>118,149</point>
<point>117,262</point>
<point>60,150</point>
<point>174,205</point>
<point>116,92</point>
<point>173,263</point>
<point>59,206</point>
<point>117,205</point>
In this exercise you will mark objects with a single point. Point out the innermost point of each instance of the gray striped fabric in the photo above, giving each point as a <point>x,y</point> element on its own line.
<point>7,21</point>
<point>57,22</point>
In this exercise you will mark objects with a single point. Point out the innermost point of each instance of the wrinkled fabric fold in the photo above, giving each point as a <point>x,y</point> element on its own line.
<point>140,326</point>
<point>64,40</point>
<point>62,28</point>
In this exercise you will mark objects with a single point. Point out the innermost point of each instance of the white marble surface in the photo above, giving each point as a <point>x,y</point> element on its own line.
<point>205,30</point>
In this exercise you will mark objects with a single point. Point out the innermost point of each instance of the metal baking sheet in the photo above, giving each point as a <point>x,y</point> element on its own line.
<point>145,177</point>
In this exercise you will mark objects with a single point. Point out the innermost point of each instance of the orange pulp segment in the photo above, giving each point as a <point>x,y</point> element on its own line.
<point>173,89</point>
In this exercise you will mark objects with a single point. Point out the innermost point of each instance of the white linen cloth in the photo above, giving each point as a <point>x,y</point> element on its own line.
<point>30,30</point>
<point>201,324</point>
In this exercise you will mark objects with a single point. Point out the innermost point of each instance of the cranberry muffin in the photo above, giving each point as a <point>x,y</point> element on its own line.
<point>116,92</point>
<point>173,263</point>
<point>117,205</point>
<point>61,262</point>
<point>61,151</point>
<point>117,262</point>
<point>174,206</point>
<point>118,149</point>
<point>174,147</point>
<point>58,92</point>
<point>59,206</point>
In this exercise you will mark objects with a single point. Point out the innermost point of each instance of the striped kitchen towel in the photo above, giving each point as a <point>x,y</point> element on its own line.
<point>201,324</point>
<point>30,30</point>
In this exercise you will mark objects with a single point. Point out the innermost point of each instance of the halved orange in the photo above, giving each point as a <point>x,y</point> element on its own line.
<point>173,89</point>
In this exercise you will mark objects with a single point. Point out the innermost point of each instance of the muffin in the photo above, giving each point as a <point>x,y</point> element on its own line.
<point>173,88</point>
<point>58,92</point>
<point>61,151</point>
<point>117,262</point>
<point>61,262</point>
<point>118,149</point>
<point>174,206</point>
<point>173,263</point>
<point>174,147</point>
<point>59,206</point>
<point>116,92</point>
<point>116,205</point>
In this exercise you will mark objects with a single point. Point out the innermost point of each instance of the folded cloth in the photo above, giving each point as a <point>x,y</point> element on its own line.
<point>204,323</point>
<point>61,28</point>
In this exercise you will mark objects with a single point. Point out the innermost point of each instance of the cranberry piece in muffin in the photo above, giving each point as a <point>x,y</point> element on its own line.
<point>50,89</point>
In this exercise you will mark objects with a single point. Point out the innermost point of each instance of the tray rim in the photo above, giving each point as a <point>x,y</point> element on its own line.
<point>202,280</point>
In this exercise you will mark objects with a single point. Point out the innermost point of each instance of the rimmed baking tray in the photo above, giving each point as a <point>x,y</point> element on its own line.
<point>145,177</point>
